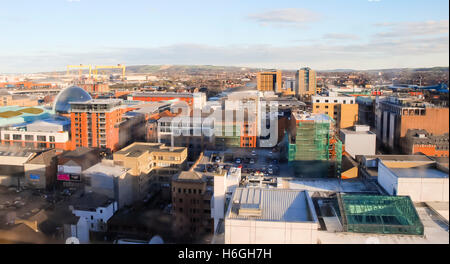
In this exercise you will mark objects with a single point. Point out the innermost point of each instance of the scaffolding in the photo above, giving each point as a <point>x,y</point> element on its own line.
<point>315,152</point>
<point>379,214</point>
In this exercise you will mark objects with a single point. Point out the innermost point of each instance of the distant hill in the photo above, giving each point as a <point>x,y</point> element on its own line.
<point>189,69</point>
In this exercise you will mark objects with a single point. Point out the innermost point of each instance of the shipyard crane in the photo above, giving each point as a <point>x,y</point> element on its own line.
<point>119,66</point>
<point>80,67</point>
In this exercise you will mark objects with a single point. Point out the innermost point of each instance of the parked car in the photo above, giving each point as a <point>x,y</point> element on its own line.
<point>252,161</point>
<point>238,161</point>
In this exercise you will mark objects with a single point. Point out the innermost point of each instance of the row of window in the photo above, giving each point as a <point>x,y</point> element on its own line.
<point>29,137</point>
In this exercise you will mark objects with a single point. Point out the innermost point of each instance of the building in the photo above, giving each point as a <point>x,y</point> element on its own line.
<point>162,96</point>
<point>366,110</point>
<point>379,214</point>
<point>396,115</point>
<point>61,104</point>
<point>19,116</point>
<point>95,123</point>
<point>111,180</point>
<point>358,141</point>
<point>313,149</point>
<point>40,171</point>
<point>72,163</point>
<point>421,180</point>
<point>305,82</point>
<point>95,208</point>
<point>7,99</point>
<point>43,134</point>
<point>191,205</point>
<point>269,81</point>
<point>342,109</point>
<point>225,184</point>
<point>12,162</point>
<point>420,141</point>
<point>271,216</point>
<point>150,164</point>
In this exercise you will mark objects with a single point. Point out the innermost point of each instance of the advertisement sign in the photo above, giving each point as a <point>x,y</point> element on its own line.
<point>63,177</point>
<point>35,176</point>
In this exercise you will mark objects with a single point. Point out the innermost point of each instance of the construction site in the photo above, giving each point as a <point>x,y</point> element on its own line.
<point>313,149</point>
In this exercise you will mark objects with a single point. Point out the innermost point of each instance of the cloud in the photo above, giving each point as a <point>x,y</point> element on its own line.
<point>413,29</point>
<point>285,17</point>
<point>339,36</point>
<point>378,53</point>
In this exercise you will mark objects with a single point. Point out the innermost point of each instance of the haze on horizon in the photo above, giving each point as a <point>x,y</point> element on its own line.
<point>47,35</point>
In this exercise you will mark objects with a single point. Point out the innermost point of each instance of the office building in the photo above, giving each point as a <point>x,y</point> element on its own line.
<point>271,216</point>
<point>396,115</point>
<point>95,123</point>
<point>191,199</point>
<point>269,81</point>
<point>150,164</point>
<point>305,82</point>
<point>342,109</point>
<point>423,181</point>
<point>358,140</point>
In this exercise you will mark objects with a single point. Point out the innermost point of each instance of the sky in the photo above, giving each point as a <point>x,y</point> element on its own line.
<point>47,35</point>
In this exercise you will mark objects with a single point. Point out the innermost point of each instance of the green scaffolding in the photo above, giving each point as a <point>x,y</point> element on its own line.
<point>379,214</point>
<point>309,153</point>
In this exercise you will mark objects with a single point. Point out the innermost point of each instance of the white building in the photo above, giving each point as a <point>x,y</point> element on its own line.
<point>270,216</point>
<point>111,180</point>
<point>358,140</point>
<point>224,186</point>
<point>422,181</point>
<point>333,99</point>
<point>96,209</point>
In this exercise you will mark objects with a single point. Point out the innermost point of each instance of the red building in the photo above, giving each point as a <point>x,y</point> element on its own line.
<point>95,123</point>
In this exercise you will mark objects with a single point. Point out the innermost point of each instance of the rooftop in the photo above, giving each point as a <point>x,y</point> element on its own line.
<point>139,148</point>
<point>419,172</point>
<point>284,205</point>
<point>106,167</point>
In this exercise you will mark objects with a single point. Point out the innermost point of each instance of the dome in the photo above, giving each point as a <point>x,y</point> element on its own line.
<point>70,94</point>
<point>156,240</point>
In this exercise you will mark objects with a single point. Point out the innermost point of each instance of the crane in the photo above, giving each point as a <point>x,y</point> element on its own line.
<point>119,66</point>
<point>81,66</point>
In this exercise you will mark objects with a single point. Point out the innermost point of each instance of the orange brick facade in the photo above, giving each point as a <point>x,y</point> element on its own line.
<point>104,130</point>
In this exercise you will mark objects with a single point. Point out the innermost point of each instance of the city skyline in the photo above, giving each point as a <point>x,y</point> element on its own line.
<point>357,34</point>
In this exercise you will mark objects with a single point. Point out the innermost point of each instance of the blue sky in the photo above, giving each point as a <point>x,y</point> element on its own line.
<point>46,35</point>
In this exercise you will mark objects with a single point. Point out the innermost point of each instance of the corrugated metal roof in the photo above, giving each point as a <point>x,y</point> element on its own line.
<point>284,205</point>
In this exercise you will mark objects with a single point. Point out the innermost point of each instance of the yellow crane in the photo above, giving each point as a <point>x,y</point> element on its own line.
<point>80,67</point>
<point>119,66</point>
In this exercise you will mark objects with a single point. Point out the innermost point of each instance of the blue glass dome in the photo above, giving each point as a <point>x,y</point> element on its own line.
<point>70,94</point>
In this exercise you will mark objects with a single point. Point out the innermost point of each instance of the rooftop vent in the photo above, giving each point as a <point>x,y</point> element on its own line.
<point>250,202</point>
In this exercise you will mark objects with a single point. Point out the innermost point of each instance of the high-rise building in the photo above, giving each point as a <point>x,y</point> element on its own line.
<point>269,81</point>
<point>305,82</point>
<point>95,123</point>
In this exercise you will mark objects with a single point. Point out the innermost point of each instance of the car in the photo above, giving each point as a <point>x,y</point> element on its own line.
<point>269,171</point>
<point>238,161</point>
<point>275,161</point>
<point>252,161</point>
<point>253,153</point>
<point>217,159</point>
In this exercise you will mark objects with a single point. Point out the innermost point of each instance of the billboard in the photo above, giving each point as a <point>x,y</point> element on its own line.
<point>35,177</point>
<point>63,177</point>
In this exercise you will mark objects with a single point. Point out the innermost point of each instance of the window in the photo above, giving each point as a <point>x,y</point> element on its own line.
<point>17,137</point>
<point>180,200</point>
<point>6,136</point>
<point>101,211</point>
<point>29,137</point>
<point>52,138</point>
<point>326,106</point>
<point>317,106</point>
<point>41,138</point>
<point>92,217</point>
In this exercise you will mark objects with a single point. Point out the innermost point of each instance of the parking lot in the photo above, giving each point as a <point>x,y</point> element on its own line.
<point>251,161</point>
